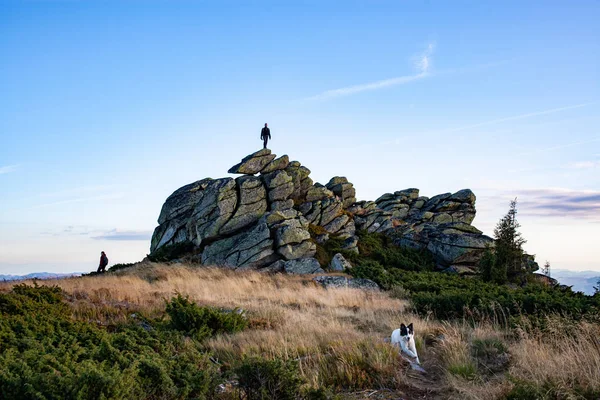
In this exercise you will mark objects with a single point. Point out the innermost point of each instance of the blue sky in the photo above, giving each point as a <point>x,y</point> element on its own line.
<point>108,107</point>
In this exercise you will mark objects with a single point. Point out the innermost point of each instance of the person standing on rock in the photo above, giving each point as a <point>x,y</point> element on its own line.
<point>265,135</point>
<point>103,262</point>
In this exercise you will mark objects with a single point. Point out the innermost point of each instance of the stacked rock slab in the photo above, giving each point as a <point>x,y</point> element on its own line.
<point>343,189</point>
<point>261,219</point>
<point>254,221</point>
<point>441,224</point>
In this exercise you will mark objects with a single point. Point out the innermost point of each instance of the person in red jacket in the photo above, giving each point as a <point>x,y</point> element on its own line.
<point>103,262</point>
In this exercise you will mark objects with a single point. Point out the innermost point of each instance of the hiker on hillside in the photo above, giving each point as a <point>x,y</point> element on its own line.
<point>265,135</point>
<point>103,262</point>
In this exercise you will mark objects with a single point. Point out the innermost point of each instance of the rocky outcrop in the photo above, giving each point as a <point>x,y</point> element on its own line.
<point>249,249</point>
<point>337,282</point>
<point>339,263</point>
<point>196,212</point>
<point>254,163</point>
<point>441,224</point>
<point>251,204</point>
<point>303,266</point>
<point>252,221</point>
<point>277,164</point>
<point>340,186</point>
<point>263,218</point>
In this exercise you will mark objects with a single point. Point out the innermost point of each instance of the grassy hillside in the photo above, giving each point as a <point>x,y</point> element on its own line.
<point>163,332</point>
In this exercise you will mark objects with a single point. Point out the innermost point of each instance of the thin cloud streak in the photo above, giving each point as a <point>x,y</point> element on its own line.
<point>583,205</point>
<point>117,235</point>
<point>561,146</point>
<point>79,191</point>
<point>586,164</point>
<point>368,86</point>
<point>515,118</point>
<point>8,168</point>
<point>422,64</point>
<point>80,199</point>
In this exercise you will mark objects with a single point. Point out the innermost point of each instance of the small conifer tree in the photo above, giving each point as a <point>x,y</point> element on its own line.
<point>487,263</point>
<point>546,269</point>
<point>509,243</point>
<point>505,261</point>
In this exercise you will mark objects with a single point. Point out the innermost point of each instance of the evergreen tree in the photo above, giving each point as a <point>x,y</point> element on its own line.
<point>489,268</point>
<point>546,269</point>
<point>509,244</point>
<point>487,265</point>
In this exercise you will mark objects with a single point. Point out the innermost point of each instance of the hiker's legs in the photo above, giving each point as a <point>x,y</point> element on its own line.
<point>265,140</point>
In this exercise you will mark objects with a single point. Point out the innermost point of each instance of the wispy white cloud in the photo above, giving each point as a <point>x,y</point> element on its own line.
<point>515,118</point>
<point>71,230</point>
<point>560,146</point>
<point>118,235</point>
<point>423,61</point>
<point>80,191</point>
<point>580,205</point>
<point>8,168</point>
<point>422,64</point>
<point>114,234</point>
<point>367,86</point>
<point>559,202</point>
<point>586,164</point>
<point>113,196</point>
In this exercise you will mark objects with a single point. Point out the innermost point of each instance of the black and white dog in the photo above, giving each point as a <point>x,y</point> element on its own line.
<point>405,338</point>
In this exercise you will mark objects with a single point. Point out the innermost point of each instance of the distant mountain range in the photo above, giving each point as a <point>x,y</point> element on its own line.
<point>38,275</point>
<point>582,281</point>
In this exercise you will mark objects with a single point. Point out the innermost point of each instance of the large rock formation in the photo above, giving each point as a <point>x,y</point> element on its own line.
<point>441,224</point>
<point>262,222</point>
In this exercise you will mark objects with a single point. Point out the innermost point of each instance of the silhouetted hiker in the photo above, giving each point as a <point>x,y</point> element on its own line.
<point>265,135</point>
<point>103,262</point>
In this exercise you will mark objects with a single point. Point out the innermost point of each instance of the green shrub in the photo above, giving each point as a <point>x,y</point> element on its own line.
<point>39,294</point>
<point>321,394</point>
<point>334,245</point>
<point>202,322</point>
<point>46,354</point>
<point>491,355</point>
<point>269,379</point>
<point>331,247</point>
<point>118,267</point>
<point>451,296</point>
<point>362,365</point>
<point>171,252</point>
<point>374,247</point>
<point>488,347</point>
<point>398,292</point>
<point>487,265</point>
<point>523,390</point>
<point>380,248</point>
<point>466,370</point>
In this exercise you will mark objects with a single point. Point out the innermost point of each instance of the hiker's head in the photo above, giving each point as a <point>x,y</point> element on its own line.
<point>265,124</point>
<point>102,252</point>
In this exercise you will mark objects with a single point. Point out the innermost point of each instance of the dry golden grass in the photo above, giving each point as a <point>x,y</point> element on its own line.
<point>338,335</point>
<point>562,359</point>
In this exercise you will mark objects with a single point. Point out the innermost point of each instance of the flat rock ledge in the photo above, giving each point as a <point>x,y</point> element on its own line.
<point>338,282</point>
